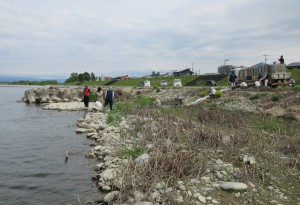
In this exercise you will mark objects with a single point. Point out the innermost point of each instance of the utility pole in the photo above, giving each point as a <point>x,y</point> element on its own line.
<point>225,61</point>
<point>265,58</point>
<point>192,67</point>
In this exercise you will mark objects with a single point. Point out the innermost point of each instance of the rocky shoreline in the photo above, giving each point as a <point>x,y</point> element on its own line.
<point>217,177</point>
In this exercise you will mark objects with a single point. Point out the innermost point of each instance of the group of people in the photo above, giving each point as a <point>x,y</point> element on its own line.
<point>107,97</point>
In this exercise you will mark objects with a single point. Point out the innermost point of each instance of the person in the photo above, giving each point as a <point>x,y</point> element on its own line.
<point>259,77</point>
<point>179,99</point>
<point>266,79</point>
<point>86,93</point>
<point>232,78</point>
<point>281,60</point>
<point>212,93</point>
<point>109,96</point>
<point>100,95</point>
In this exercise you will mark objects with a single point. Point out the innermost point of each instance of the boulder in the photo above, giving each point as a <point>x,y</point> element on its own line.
<point>234,186</point>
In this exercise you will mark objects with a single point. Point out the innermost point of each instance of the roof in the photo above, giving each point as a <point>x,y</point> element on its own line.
<point>185,70</point>
<point>295,64</point>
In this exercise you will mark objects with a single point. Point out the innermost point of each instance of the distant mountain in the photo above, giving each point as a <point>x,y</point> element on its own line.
<point>7,78</point>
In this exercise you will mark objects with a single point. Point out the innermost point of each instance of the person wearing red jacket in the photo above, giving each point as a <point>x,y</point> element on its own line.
<point>86,93</point>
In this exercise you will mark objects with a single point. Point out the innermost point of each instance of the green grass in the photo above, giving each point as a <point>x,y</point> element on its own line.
<point>255,96</point>
<point>133,152</point>
<point>295,73</point>
<point>223,82</point>
<point>155,81</point>
<point>275,125</point>
<point>276,97</point>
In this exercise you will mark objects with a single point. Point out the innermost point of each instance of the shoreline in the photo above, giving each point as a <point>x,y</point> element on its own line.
<point>218,176</point>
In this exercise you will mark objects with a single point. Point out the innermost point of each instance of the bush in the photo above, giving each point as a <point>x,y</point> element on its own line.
<point>255,97</point>
<point>92,97</point>
<point>144,101</point>
<point>133,152</point>
<point>275,97</point>
<point>203,94</point>
<point>218,93</point>
<point>110,118</point>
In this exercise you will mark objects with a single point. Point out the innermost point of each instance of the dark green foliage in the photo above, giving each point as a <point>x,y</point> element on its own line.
<point>276,97</point>
<point>133,152</point>
<point>255,97</point>
<point>93,97</point>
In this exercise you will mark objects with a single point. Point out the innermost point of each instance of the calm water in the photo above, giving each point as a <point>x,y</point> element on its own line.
<point>33,142</point>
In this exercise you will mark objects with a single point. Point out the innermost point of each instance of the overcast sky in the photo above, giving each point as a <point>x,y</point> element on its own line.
<point>119,37</point>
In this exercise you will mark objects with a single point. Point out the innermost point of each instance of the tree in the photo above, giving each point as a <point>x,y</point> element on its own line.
<point>153,74</point>
<point>93,77</point>
<point>87,76</point>
<point>73,78</point>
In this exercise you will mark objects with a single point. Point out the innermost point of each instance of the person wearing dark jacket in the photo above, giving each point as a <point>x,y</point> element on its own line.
<point>86,93</point>
<point>109,96</point>
<point>281,60</point>
<point>232,78</point>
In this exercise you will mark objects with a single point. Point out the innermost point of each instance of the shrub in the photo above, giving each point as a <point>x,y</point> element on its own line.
<point>255,97</point>
<point>133,152</point>
<point>158,89</point>
<point>276,125</point>
<point>110,118</point>
<point>218,93</point>
<point>92,97</point>
<point>144,101</point>
<point>275,97</point>
<point>203,94</point>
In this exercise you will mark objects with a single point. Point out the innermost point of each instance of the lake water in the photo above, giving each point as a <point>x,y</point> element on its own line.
<point>33,142</point>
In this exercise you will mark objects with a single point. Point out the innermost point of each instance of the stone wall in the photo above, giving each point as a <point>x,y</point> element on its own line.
<point>53,94</point>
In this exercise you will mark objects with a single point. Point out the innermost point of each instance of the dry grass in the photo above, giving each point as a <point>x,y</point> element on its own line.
<point>187,140</point>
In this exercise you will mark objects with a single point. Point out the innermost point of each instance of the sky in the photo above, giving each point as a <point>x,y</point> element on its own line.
<point>54,38</point>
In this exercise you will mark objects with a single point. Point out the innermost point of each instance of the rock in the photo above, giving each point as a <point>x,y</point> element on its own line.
<point>99,166</point>
<point>108,174</point>
<point>181,187</point>
<point>81,130</point>
<point>201,198</point>
<point>110,197</point>
<point>143,203</point>
<point>235,186</point>
<point>106,188</point>
<point>98,147</point>
<point>226,140</point>
<point>142,159</point>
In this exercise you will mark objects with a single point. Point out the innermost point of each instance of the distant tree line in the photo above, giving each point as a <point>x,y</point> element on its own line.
<point>42,82</point>
<point>155,74</point>
<point>81,77</point>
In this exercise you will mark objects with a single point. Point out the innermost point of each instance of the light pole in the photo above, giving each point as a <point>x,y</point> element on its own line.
<point>225,61</point>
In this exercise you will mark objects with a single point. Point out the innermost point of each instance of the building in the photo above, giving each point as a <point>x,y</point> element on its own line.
<point>185,72</point>
<point>225,69</point>
<point>293,65</point>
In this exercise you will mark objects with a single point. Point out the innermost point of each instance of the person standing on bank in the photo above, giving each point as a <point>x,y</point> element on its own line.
<point>100,95</point>
<point>109,96</point>
<point>86,93</point>
<point>232,78</point>
<point>281,60</point>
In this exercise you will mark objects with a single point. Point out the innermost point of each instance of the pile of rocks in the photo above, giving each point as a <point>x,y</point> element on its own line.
<point>219,176</point>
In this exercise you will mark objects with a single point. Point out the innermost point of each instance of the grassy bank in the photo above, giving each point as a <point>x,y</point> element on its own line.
<point>186,142</point>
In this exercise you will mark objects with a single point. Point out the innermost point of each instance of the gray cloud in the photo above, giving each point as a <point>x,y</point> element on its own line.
<point>53,37</point>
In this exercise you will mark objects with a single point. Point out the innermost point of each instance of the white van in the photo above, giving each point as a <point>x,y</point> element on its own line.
<point>147,83</point>
<point>177,83</point>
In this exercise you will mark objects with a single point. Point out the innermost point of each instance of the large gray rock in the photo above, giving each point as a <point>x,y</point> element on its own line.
<point>234,186</point>
<point>110,197</point>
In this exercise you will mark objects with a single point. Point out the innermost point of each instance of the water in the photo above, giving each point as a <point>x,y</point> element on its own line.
<point>33,142</point>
